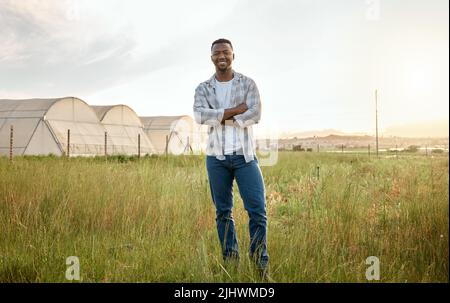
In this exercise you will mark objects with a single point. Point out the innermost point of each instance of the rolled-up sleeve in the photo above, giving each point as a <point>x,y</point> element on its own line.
<point>253,113</point>
<point>203,114</point>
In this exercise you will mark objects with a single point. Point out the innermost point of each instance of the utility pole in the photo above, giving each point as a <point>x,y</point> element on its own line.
<point>376,120</point>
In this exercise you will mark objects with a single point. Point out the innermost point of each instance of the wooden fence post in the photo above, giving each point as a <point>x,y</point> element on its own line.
<point>139,145</point>
<point>167,144</point>
<point>68,143</point>
<point>11,136</point>
<point>106,144</point>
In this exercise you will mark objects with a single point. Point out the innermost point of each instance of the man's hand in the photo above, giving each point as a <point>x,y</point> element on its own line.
<point>231,112</point>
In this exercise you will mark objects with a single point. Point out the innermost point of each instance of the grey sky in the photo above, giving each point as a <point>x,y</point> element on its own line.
<point>316,62</point>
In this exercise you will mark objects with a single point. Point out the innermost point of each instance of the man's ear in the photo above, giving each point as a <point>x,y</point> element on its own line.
<point>233,56</point>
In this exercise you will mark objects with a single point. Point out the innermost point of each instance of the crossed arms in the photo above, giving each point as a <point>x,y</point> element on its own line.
<point>243,115</point>
<point>229,113</point>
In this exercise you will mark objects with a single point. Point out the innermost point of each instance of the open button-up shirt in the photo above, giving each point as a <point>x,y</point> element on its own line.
<point>208,111</point>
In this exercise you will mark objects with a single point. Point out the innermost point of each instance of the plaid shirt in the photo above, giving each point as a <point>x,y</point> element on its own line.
<point>208,111</point>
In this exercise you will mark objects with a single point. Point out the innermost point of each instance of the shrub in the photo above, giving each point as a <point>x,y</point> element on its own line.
<point>437,151</point>
<point>412,149</point>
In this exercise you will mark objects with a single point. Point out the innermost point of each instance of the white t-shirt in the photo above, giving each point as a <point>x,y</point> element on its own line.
<point>223,95</point>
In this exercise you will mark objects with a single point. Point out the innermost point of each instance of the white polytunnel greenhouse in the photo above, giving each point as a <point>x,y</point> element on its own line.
<point>41,127</point>
<point>123,127</point>
<point>174,134</point>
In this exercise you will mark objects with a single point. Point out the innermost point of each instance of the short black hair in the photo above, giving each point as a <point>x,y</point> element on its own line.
<point>222,40</point>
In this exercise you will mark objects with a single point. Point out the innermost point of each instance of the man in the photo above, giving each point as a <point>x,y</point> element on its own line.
<point>229,104</point>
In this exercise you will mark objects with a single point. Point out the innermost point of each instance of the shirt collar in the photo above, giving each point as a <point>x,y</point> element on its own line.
<point>212,81</point>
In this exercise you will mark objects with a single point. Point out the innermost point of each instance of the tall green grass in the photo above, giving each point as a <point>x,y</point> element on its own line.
<point>152,219</point>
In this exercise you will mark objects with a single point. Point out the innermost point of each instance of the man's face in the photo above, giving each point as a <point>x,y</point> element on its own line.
<point>222,56</point>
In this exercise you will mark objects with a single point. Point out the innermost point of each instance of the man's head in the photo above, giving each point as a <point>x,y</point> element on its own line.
<point>222,54</point>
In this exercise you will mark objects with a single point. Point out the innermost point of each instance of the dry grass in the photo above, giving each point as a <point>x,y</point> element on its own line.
<point>152,220</point>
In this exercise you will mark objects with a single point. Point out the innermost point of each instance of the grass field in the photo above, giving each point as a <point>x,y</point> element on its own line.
<point>152,220</point>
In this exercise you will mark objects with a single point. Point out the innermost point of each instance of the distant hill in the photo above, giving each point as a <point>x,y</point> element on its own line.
<point>433,129</point>
<point>426,129</point>
<point>318,133</point>
<point>348,137</point>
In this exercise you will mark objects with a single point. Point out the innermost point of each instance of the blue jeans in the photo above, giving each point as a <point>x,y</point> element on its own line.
<point>251,188</point>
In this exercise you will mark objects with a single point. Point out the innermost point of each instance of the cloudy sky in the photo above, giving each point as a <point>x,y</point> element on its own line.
<point>316,62</point>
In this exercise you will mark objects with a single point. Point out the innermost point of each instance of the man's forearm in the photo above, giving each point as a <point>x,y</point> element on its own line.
<point>229,113</point>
